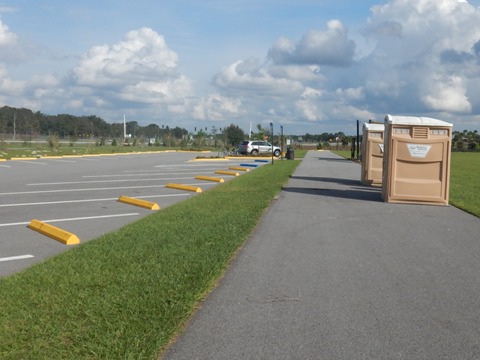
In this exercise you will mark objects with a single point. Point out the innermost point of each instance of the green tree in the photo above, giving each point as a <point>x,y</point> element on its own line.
<point>179,133</point>
<point>151,131</point>
<point>260,134</point>
<point>131,127</point>
<point>199,138</point>
<point>214,135</point>
<point>233,135</point>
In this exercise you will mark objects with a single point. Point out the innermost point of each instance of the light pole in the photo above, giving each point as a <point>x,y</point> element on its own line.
<point>281,142</point>
<point>271,131</point>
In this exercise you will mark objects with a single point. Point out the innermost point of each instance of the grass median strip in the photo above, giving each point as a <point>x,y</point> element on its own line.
<point>126,294</point>
<point>465,182</point>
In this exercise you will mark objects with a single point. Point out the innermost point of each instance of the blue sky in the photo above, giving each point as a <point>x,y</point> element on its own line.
<point>310,65</point>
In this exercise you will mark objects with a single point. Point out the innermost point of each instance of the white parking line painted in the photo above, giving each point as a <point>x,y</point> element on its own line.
<point>72,219</point>
<point>166,167</point>
<point>202,184</point>
<point>65,161</point>
<point>31,162</point>
<point>86,200</point>
<point>79,190</point>
<point>176,167</point>
<point>19,257</point>
<point>105,181</point>
<point>140,174</point>
<point>172,166</point>
<point>140,171</point>
<point>5,166</point>
<point>91,189</point>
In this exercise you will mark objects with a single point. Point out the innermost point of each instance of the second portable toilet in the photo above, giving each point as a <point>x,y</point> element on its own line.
<point>372,154</point>
<point>416,161</point>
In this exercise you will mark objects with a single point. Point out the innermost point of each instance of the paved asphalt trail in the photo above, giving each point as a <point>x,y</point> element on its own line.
<point>332,272</point>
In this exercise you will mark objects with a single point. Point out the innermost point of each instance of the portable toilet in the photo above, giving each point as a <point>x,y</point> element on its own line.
<point>372,154</point>
<point>416,161</point>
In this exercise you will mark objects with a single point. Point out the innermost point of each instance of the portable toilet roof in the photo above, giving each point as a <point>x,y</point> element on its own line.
<point>415,120</point>
<point>373,127</point>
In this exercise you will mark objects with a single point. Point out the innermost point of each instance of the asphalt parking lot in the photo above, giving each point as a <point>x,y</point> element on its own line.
<point>79,195</point>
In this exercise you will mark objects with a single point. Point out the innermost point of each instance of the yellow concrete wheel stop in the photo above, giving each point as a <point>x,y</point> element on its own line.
<point>231,173</point>
<point>239,168</point>
<point>139,202</point>
<point>54,232</point>
<point>184,187</point>
<point>209,178</point>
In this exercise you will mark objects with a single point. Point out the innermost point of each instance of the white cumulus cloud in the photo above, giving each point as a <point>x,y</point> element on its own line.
<point>330,47</point>
<point>448,94</point>
<point>216,107</point>
<point>141,69</point>
<point>250,75</point>
<point>426,57</point>
<point>9,86</point>
<point>143,55</point>
<point>6,37</point>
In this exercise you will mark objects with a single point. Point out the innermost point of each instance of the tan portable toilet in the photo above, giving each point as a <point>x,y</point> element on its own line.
<point>372,154</point>
<point>416,161</point>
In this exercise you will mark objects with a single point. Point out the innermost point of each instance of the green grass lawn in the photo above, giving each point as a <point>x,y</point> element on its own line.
<point>465,181</point>
<point>126,294</point>
<point>347,154</point>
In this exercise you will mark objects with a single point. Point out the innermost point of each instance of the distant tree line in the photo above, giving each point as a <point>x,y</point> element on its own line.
<point>465,140</point>
<point>24,124</point>
<point>21,123</point>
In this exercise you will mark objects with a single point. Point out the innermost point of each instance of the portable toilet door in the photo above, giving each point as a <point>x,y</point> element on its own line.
<point>372,154</point>
<point>416,162</point>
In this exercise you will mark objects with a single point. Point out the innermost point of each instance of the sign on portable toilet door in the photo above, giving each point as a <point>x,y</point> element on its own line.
<point>418,150</point>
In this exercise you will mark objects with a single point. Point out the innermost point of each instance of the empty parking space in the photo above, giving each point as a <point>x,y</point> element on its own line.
<point>80,195</point>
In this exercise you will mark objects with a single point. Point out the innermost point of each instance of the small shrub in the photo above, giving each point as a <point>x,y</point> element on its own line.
<point>53,142</point>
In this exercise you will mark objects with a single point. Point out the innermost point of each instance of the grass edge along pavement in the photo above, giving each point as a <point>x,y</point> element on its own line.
<point>464,180</point>
<point>128,293</point>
